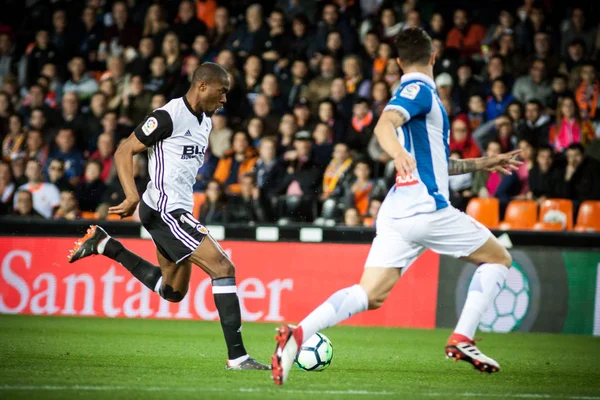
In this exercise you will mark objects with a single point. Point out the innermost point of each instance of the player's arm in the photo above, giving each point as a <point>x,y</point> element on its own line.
<point>503,163</point>
<point>385,130</point>
<point>156,127</point>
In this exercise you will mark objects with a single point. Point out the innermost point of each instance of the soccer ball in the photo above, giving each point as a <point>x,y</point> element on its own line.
<point>315,354</point>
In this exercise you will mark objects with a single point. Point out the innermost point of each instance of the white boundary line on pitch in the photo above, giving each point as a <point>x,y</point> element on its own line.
<point>99,388</point>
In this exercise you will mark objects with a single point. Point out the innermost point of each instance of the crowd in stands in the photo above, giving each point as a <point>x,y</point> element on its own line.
<point>309,80</point>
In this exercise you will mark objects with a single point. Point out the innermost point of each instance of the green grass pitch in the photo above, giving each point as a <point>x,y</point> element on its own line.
<point>74,358</point>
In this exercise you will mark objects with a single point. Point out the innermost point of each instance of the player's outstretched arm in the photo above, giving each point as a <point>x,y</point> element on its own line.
<point>503,163</point>
<point>385,130</point>
<point>124,163</point>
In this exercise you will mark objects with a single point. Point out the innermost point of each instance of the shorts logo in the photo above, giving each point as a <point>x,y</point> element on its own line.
<point>149,126</point>
<point>408,181</point>
<point>202,229</point>
<point>411,91</point>
<point>188,219</point>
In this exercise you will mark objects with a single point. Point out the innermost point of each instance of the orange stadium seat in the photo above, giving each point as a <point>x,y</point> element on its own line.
<point>548,226</point>
<point>588,219</point>
<point>115,217</point>
<point>557,210</point>
<point>199,199</point>
<point>486,211</point>
<point>520,214</point>
<point>89,215</point>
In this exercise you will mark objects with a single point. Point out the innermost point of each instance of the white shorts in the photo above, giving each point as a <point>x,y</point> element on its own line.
<point>448,231</point>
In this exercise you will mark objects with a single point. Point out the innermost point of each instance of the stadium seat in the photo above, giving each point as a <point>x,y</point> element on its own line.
<point>486,211</point>
<point>199,199</point>
<point>557,210</point>
<point>115,217</point>
<point>548,226</point>
<point>520,214</point>
<point>89,215</point>
<point>588,219</point>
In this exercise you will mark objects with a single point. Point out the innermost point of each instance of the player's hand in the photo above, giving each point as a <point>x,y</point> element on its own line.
<point>404,163</point>
<point>125,209</point>
<point>505,163</point>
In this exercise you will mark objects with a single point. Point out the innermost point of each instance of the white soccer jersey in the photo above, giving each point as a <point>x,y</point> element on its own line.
<point>425,135</point>
<point>177,139</point>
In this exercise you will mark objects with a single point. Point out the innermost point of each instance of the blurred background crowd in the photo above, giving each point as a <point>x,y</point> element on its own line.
<point>309,80</point>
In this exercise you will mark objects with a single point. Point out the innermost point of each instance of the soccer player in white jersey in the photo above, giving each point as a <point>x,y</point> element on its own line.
<point>176,137</point>
<point>416,214</point>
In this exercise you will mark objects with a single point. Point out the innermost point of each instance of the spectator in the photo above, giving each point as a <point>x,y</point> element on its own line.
<point>81,83</point>
<point>140,64</point>
<point>494,33</point>
<point>45,195</point>
<point>465,36</point>
<point>569,127</point>
<point>384,54</point>
<point>369,54</point>
<point>340,98</point>
<point>460,185</point>
<point>460,138</point>
<point>301,179</point>
<point>495,69</point>
<point>286,132</point>
<point>121,34</point>
<point>201,49</point>
<point>116,71</point>
<point>444,83</point>
<point>331,22</point>
<point>476,111</point>
<point>304,119</point>
<point>214,209</point>
<point>41,54</point>
<point>38,122</point>
<point>69,113</point>
<point>91,190</point>
<point>389,26</point>
<point>109,89</point>
<point>104,155</point>
<point>8,56</point>
<point>249,206</point>
<point>581,180</point>
<point>537,125</point>
<point>172,54</point>
<point>319,88</point>
<point>7,189</point>
<point>352,217</point>
<point>587,92</point>
<point>545,178</point>
<point>295,87</point>
<point>17,165</point>
<point>576,28</point>
<point>24,205</point>
<point>158,81</point>
<point>188,27</point>
<point>182,83</point>
<point>362,126</point>
<point>436,25</point>
<point>35,148</point>
<point>380,93</point>
<point>65,150</point>
<point>220,136</point>
<point>543,52</point>
<point>485,183</point>
<point>14,143</point>
<point>34,101</point>
<point>371,218</point>
<point>359,190</point>
<point>6,110</point>
<point>237,161</point>
<point>356,84</point>
<point>136,104</point>
<point>252,35</point>
<point>516,185</point>
<point>467,85</point>
<point>91,122</point>
<point>256,130</point>
<point>262,109</point>
<point>533,86</point>
<point>267,168</point>
<point>222,29</point>
<point>322,144</point>
<point>67,208</point>
<point>575,56</point>
<point>270,88</point>
<point>56,175</point>
<point>327,115</point>
<point>276,48</point>
<point>90,34</point>
<point>559,91</point>
<point>301,38</point>
<point>336,172</point>
<point>498,101</point>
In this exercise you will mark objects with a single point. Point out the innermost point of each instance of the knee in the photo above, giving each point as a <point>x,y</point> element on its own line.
<point>375,301</point>
<point>226,269</point>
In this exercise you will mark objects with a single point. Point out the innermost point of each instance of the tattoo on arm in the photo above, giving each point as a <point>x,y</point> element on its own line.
<point>458,167</point>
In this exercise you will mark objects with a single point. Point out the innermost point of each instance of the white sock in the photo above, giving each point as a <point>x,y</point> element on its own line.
<point>485,286</point>
<point>158,286</point>
<point>237,361</point>
<point>102,245</point>
<point>340,306</point>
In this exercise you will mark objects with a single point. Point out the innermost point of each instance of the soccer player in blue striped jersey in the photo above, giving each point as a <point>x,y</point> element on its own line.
<point>416,215</point>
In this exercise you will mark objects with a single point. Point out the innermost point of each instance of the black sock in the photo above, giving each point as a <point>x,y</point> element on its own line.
<point>228,306</point>
<point>145,272</point>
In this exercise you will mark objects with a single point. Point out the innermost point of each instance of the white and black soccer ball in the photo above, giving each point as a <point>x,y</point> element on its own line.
<point>315,354</point>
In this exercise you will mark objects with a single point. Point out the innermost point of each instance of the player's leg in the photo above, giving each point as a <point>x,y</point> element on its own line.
<point>212,259</point>
<point>175,280</point>
<point>388,255</point>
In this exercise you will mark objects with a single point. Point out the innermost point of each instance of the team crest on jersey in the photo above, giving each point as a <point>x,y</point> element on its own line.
<point>411,91</point>
<point>149,126</point>
<point>407,181</point>
<point>202,229</point>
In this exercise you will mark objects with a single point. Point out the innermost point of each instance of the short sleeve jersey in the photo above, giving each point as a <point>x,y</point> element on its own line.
<point>177,139</point>
<point>425,135</point>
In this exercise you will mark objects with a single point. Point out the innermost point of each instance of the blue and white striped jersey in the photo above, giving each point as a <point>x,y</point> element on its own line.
<point>426,135</point>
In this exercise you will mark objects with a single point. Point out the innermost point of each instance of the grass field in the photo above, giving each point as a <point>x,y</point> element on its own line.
<point>63,358</point>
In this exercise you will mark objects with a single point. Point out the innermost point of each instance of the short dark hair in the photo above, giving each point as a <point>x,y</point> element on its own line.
<point>537,103</point>
<point>576,146</point>
<point>414,46</point>
<point>545,147</point>
<point>209,72</point>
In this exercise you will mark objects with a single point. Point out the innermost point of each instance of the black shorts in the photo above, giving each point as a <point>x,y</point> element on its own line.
<point>176,234</point>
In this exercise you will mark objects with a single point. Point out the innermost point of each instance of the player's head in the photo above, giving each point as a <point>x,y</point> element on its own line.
<point>414,49</point>
<point>210,84</point>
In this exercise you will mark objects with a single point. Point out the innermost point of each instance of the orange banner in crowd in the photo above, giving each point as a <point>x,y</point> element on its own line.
<point>277,282</point>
